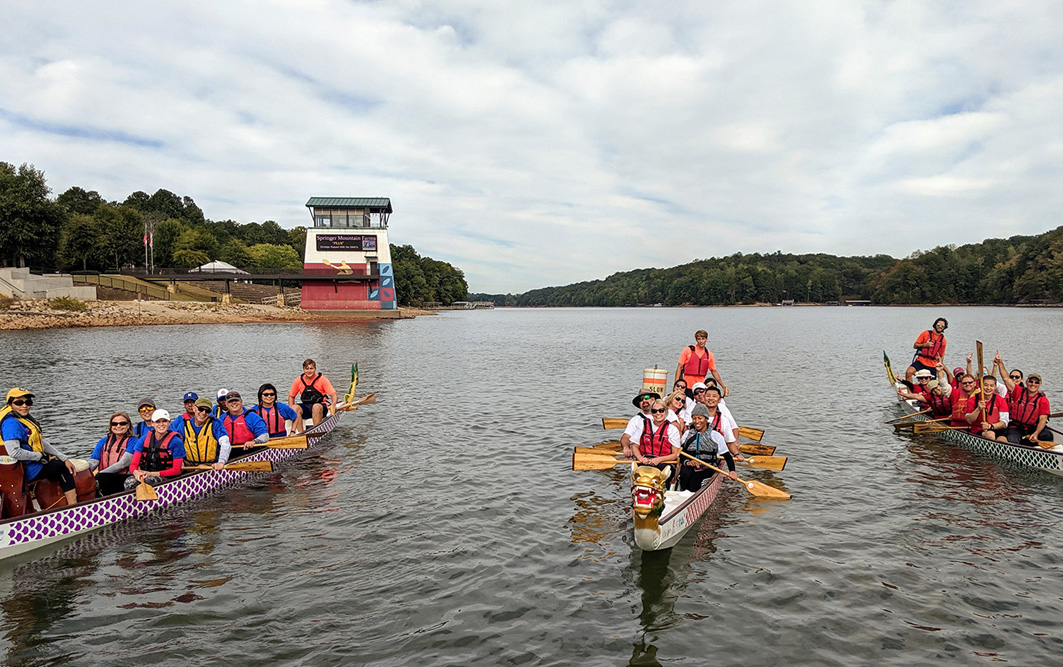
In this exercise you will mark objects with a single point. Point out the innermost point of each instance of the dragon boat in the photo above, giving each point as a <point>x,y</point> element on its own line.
<point>662,517</point>
<point>33,531</point>
<point>1031,457</point>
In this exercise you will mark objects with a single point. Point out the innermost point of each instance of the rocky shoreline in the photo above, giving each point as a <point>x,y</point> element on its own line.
<point>39,314</point>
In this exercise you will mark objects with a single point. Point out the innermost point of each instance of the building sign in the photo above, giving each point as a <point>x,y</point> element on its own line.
<point>326,242</point>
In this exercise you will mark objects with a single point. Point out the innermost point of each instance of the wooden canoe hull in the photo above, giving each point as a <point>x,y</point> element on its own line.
<point>22,534</point>
<point>682,511</point>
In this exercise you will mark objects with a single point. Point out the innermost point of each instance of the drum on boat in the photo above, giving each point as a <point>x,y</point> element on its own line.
<point>84,481</point>
<point>13,499</point>
<point>655,380</point>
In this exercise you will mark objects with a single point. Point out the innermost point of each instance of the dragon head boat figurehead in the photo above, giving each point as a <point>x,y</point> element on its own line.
<point>639,422</point>
<point>24,441</point>
<point>648,489</point>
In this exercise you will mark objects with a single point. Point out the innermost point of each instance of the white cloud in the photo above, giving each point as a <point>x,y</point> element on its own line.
<point>544,143</point>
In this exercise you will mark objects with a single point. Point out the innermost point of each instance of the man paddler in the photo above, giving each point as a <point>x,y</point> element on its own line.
<point>705,444</point>
<point>987,412</point>
<point>718,421</point>
<point>929,349</point>
<point>637,424</point>
<point>316,394</point>
<point>696,362</point>
<point>206,440</point>
<point>24,441</point>
<point>243,426</point>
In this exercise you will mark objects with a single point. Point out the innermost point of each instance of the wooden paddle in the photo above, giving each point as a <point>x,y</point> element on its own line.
<point>932,427</point>
<point>745,448</point>
<point>290,442</point>
<point>766,462</point>
<point>584,462</point>
<point>758,489</point>
<point>611,423</point>
<point>242,466</point>
<point>899,419</point>
<point>897,427</point>
<point>146,492</point>
<point>981,374</point>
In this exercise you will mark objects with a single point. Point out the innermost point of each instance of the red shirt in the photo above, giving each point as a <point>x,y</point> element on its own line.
<point>993,408</point>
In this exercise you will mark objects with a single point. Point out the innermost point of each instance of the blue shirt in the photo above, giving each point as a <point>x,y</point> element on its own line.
<point>142,429</point>
<point>12,429</point>
<point>286,413</point>
<point>253,421</point>
<point>178,423</point>
<point>177,446</point>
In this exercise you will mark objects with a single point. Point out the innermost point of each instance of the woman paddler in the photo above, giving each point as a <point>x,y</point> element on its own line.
<point>113,454</point>
<point>206,442</point>
<point>160,454</point>
<point>705,444</point>
<point>659,444</point>
<point>274,413</point>
<point>25,442</point>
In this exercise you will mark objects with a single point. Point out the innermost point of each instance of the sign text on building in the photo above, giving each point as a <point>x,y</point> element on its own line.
<point>346,242</point>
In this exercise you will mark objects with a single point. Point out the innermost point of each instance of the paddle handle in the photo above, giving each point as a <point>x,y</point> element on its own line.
<point>709,465</point>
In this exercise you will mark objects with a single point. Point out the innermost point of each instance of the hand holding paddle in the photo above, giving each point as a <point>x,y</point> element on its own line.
<point>752,486</point>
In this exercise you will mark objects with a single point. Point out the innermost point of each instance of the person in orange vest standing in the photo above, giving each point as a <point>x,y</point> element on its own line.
<point>696,362</point>
<point>929,350</point>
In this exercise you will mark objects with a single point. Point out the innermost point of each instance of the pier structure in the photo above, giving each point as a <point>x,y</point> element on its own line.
<point>347,264</point>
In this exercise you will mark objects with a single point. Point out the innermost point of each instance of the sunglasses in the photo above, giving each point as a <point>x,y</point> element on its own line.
<point>203,410</point>
<point>1015,377</point>
<point>146,408</point>
<point>23,401</point>
<point>968,382</point>
<point>657,411</point>
<point>1033,382</point>
<point>119,423</point>
<point>269,393</point>
<point>699,391</point>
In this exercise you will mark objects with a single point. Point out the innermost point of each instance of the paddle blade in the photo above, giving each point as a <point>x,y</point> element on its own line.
<point>146,492</point>
<point>291,442</point>
<point>752,433</point>
<point>611,446</point>
<point>582,462</point>
<point>762,490</point>
<point>251,466</point>
<point>767,462</point>
<point>611,423</point>
<point>595,451</point>
<point>757,450</point>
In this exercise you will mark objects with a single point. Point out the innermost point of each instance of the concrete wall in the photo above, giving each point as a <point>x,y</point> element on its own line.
<point>22,284</point>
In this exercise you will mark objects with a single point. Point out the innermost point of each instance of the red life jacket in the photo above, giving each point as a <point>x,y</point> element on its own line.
<point>716,422</point>
<point>938,404</point>
<point>1025,409</point>
<point>936,349</point>
<point>237,429</point>
<point>113,450</point>
<point>157,456</point>
<point>918,388</point>
<point>696,367</point>
<point>993,408</point>
<point>272,417</point>
<point>959,408</point>
<point>652,445</point>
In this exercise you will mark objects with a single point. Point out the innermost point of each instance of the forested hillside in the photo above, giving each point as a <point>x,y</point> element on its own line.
<point>1021,269</point>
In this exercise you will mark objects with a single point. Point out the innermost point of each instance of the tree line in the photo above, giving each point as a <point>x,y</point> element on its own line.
<point>79,230</point>
<point>1020,269</point>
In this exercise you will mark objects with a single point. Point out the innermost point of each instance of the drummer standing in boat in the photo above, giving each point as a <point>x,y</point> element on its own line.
<point>696,362</point>
<point>929,350</point>
<point>313,389</point>
<point>24,441</point>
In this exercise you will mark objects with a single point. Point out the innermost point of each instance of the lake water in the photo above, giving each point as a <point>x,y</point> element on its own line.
<point>443,525</point>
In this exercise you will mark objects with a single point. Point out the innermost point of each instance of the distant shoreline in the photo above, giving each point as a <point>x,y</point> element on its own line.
<point>35,315</point>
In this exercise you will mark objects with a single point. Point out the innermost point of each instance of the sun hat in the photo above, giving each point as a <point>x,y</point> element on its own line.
<point>644,395</point>
<point>924,373</point>
<point>16,392</point>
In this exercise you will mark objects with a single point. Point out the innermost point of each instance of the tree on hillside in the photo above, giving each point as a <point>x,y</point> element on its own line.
<point>198,240</point>
<point>189,259</point>
<point>271,256</point>
<point>237,254</point>
<point>29,221</point>
<point>79,240</point>
<point>297,240</point>
<point>78,200</point>
<point>121,235</point>
<point>166,234</point>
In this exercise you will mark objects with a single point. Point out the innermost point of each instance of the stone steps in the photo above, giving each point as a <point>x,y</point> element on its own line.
<point>21,284</point>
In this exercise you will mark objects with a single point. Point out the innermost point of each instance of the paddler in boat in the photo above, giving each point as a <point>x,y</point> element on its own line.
<point>958,398</point>
<point>721,422</point>
<point>640,422</point>
<point>929,349</point>
<point>677,410</point>
<point>206,441</point>
<point>189,400</point>
<point>243,426</point>
<point>659,444</point>
<point>274,413</point>
<point>25,442</point>
<point>987,413</point>
<point>221,408</point>
<point>705,444</point>
<point>1027,406</point>
<point>145,407</point>
<point>312,388</point>
<point>920,388</point>
<point>696,362</point>
<point>161,453</point>
<point>933,397</point>
<point>113,454</point>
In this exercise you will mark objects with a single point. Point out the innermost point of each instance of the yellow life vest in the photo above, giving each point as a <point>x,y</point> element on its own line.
<point>202,447</point>
<point>35,440</point>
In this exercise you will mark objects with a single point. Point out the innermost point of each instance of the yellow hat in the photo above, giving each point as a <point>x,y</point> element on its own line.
<point>16,392</point>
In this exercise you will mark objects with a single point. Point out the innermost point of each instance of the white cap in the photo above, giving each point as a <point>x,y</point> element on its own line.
<point>924,373</point>
<point>160,414</point>
<point>222,393</point>
<point>698,385</point>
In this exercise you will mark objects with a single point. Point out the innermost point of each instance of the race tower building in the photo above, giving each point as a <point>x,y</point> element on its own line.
<point>347,265</point>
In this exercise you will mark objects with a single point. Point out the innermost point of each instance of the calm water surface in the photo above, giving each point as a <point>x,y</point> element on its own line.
<point>443,525</point>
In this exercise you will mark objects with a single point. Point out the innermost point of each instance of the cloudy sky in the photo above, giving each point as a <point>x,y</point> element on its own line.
<point>541,143</point>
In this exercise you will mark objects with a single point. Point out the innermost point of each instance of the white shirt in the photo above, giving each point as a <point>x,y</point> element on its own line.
<point>727,425</point>
<point>673,432</point>
<point>634,426</point>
